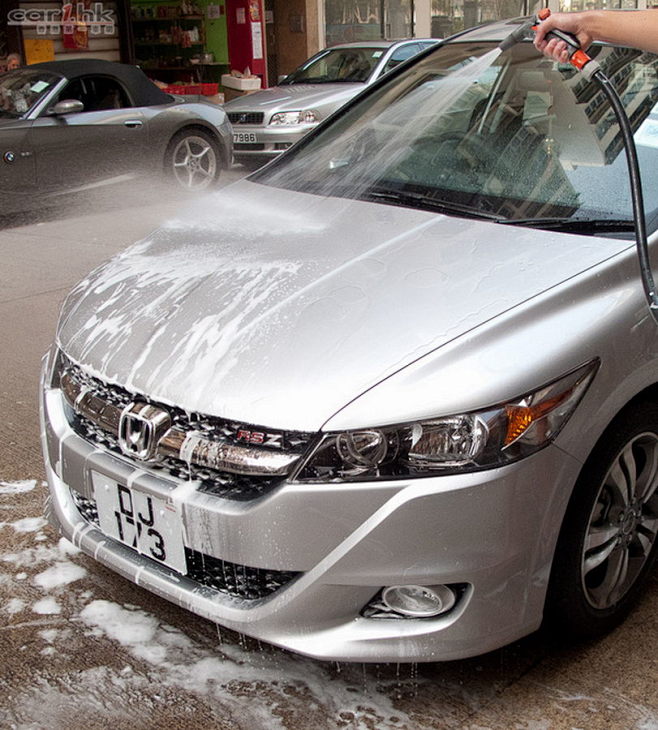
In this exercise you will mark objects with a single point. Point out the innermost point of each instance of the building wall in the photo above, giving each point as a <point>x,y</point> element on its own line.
<point>102,46</point>
<point>296,29</point>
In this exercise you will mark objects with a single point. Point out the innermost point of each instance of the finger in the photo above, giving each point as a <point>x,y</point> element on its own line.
<point>542,29</point>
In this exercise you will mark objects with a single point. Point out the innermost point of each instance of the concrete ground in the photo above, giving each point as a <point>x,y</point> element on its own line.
<point>82,647</point>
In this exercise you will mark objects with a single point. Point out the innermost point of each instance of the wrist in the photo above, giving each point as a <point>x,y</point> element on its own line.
<point>595,24</point>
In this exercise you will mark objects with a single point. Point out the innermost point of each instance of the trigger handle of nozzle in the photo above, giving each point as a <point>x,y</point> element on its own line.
<point>577,57</point>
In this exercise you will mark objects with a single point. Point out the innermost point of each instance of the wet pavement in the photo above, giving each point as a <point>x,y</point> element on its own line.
<point>82,647</point>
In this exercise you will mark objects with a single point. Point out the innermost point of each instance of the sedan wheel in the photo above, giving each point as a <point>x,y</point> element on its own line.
<point>608,542</point>
<point>194,161</point>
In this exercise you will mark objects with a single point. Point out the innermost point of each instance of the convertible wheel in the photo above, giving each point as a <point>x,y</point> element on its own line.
<point>193,160</point>
<point>608,540</point>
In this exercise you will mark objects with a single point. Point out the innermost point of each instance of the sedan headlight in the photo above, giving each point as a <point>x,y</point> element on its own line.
<point>298,117</point>
<point>482,439</point>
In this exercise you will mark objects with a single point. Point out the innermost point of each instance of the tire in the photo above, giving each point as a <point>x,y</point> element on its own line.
<point>607,544</point>
<point>193,160</point>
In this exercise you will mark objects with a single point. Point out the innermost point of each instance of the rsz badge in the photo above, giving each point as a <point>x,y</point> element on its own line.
<point>260,438</point>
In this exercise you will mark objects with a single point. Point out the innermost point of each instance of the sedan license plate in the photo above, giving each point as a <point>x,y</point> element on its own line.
<point>244,137</point>
<point>150,525</point>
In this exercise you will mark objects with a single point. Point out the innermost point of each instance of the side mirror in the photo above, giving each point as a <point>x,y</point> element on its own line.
<point>68,106</point>
<point>281,78</point>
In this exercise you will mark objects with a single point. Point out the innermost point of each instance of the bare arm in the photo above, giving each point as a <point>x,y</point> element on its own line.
<point>638,29</point>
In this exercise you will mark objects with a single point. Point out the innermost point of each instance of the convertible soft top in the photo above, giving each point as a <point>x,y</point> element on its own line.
<point>142,91</point>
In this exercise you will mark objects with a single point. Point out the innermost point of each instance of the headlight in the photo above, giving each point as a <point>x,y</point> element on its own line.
<point>299,117</point>
<point>467,442</point>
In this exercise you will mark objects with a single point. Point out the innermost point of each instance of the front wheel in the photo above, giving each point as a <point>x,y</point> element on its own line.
<point>608,544</point>
<point>193,160</point>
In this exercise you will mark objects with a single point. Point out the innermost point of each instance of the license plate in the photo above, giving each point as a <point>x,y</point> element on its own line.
<point>242,137</point>
<point>150,525</point>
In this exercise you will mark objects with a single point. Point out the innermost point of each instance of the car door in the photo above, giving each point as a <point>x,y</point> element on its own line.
<point>107,139</point>
<point>17,166</point>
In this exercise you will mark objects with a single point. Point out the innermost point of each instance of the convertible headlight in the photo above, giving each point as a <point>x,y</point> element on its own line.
<point>467,442</point>
<point>298,117</point>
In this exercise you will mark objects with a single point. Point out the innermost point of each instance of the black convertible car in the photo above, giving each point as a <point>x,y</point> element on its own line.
<point>68,124</point>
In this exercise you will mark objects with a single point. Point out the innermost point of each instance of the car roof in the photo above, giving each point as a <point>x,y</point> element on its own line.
<point>494,31</point>
<point>382,44</point>
<point>143,92</point>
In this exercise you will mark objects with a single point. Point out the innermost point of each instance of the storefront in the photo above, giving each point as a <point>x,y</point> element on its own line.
<point>42,30</point>
<point>196,41</point>
<point>180,41</point>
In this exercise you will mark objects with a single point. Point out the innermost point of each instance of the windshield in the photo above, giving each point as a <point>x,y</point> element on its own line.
<point>21,90</point>
<point>335,65</point>
<point>510,137</point>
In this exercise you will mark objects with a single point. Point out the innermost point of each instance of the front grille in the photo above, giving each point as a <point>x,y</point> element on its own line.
<point>95,411</point>
<point>86,507</point>
<point>235,487</point>
<point>239,581</point>
<point>233,579</point>
<point>246,117</point>
<point>249,146</point>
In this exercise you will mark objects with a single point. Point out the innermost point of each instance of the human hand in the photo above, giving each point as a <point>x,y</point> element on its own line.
<point>574,23</point>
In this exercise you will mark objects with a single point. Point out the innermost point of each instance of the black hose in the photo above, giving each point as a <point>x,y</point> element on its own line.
<point>636,190</point>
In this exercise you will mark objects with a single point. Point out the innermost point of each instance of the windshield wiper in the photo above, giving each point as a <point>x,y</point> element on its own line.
<point>423,201</point>
<point>586,226</point>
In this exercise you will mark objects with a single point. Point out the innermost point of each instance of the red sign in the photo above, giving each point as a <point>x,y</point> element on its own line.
<point>75,32</point>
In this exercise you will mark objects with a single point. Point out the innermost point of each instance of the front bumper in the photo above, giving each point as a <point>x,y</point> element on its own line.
<point>265,142</point>
<point>494,531</point>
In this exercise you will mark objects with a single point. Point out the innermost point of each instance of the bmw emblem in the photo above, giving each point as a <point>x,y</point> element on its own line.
<point>9,157</point>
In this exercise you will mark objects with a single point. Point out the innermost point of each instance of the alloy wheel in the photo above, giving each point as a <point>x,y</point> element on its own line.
<point>623,523</point>
<point>194,162</point>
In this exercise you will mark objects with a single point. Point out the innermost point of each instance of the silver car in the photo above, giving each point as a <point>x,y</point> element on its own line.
<point>68,125</point>
<point>267,122</point>
<point>395,396</point>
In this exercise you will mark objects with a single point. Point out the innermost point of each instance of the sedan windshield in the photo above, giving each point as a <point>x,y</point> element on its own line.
<point>336,65</point>
<point>23,89</point>
<point>511,137</point>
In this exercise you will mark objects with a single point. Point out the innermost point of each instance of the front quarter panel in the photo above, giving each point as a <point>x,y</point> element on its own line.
<point>166,121</point>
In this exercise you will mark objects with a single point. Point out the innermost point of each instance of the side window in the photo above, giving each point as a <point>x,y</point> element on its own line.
<point>401,54</point>
<point>97,93</point>
<point>106,94</point>
<point>74,90</point>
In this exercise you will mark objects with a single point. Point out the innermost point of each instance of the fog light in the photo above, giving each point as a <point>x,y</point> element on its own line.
<point>419,601</point>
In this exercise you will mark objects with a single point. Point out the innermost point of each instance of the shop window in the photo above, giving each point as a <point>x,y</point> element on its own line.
<point>452,16</point>
<point>572,5</point>
<point>368,20</point>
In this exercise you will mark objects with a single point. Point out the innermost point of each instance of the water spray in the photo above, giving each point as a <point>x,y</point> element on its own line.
<point>592,71</point>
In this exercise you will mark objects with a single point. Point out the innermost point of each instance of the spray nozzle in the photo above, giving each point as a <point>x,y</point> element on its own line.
<point>577,57</point>
<point>518,35</point>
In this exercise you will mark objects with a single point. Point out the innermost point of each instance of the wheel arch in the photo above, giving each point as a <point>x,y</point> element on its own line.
<point>554,608</point>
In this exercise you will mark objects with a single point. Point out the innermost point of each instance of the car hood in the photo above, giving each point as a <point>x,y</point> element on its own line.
<point>304,96</point>
<point>278,308</point>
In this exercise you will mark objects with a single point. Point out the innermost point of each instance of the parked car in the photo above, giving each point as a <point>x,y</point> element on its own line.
<point>270,121</point>
<point>394,396</point>
<point>68,124</point>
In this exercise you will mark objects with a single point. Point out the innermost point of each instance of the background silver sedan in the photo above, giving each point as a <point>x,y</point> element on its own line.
<point>272,120</point>
<point>68,124</point>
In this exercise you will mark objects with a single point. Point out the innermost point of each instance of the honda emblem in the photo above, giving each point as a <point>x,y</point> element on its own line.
<point>141,427</point>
